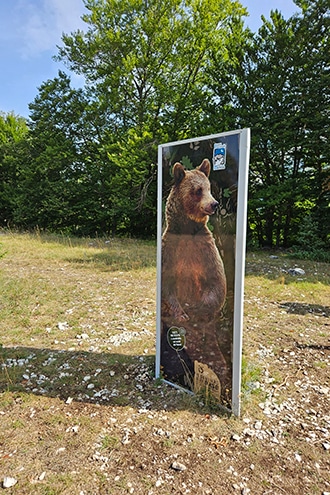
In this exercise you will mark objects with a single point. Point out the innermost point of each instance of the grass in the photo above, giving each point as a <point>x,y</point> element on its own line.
<point>70,396</point>
<point>49,289</point>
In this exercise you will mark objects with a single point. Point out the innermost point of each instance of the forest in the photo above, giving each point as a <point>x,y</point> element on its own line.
<point>85,161</point>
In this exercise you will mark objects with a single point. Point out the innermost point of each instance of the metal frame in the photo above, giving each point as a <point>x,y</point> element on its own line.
<point>241,223</point>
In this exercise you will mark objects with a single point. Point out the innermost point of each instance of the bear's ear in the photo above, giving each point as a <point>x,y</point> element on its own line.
<point>178,172</point>
<point>205,167</point>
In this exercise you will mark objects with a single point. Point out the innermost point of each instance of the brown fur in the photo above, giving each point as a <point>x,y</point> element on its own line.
<point>193,278</point>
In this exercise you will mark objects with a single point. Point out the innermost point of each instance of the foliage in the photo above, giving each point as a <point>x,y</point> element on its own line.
<point>62,184</point>
<point>144,63</point>
<point>13,133</point>
<point>308,243</point>
<point>160,71</point>
<point>280,89</point>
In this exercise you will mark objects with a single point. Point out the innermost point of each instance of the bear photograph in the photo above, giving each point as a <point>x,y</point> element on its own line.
<point>199,207</point>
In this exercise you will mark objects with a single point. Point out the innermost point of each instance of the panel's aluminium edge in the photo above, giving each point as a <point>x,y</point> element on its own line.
<point>159,262</point>
<point>244,153</point>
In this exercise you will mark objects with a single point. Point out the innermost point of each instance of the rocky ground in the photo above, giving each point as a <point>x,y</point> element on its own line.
<point>160,440</point>
<point>82,414</point>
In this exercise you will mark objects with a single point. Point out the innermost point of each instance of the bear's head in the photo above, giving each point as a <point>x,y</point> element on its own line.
<point>193,190</point>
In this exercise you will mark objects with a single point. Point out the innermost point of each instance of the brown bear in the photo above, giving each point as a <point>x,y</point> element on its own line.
<point>193,276</point>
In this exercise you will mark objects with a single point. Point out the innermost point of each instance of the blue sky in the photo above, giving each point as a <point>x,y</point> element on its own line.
<point>31,29</point>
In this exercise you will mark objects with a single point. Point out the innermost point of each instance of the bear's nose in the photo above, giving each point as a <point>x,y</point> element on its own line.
<point>214,205</point>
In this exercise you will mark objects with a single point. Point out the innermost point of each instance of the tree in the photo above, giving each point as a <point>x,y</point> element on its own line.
<point>277,169</point>
<point>313,94</point>
<point>13,132</point>
<point>54,172</point>
<point>144,63</point>
<point>146,59</point>
<point>280,88</point>
<point>88,164</point>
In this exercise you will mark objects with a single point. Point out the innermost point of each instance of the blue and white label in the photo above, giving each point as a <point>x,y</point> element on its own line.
<point>219,156</point>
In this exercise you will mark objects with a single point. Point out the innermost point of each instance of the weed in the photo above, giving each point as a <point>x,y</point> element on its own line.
<point>320,364</point>
<point>18,423</point>
<point>109,443</point>
<point>251,376</point>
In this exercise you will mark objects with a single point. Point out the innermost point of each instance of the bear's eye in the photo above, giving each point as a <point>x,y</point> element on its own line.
<point>199,191</point>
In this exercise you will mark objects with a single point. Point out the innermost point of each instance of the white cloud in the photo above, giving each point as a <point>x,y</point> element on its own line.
<point>40,23</point>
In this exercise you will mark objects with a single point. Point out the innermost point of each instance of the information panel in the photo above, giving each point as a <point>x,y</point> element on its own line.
<point>202,209</point>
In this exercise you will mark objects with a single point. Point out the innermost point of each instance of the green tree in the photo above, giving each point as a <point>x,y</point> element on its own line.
<point>280,88</point>
<point>144,63</point>
<point>146,59</point>
<point>13,133</point>
<point>313,96</point>
<point>276,167</point>
<point>89,162</point>
<point>52,175</point>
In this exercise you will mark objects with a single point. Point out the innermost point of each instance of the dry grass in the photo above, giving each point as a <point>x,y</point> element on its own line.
<point>82,414</point>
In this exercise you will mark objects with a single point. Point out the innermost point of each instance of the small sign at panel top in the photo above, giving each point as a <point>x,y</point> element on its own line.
<point>219,156</point>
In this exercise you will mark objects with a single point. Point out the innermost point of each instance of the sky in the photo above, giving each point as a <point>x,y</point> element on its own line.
<point>31,30</point>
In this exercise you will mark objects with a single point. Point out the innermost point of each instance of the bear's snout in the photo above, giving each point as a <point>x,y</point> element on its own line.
<point>211,208</point>
<point>215,206</point>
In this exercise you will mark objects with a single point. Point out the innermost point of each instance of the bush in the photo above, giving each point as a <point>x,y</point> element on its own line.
<point>309,245</point>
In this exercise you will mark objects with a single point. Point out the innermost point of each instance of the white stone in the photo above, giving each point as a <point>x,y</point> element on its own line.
<point>249,432</point>
<point>296,271</point>
<point>8,482</point>
<point>177,466</point>
<point>62,325</point>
